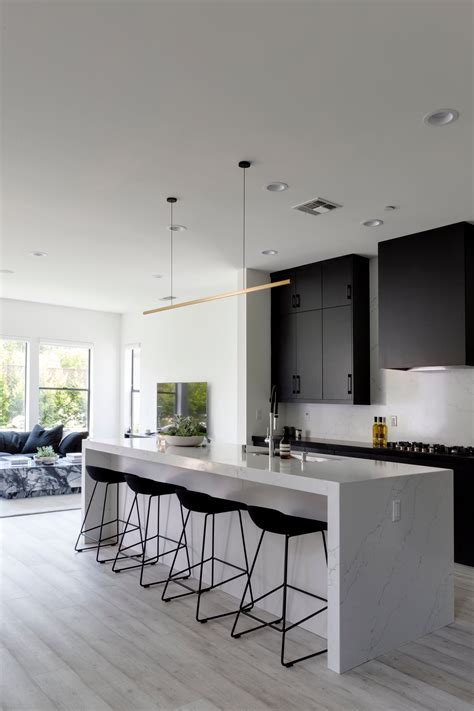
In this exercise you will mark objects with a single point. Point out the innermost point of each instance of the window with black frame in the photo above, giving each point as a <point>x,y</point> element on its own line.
<point>64,386</point>
<point>135,389</point>
<point>13,381</point>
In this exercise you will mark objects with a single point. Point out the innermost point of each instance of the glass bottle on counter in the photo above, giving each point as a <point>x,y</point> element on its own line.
<point>384,436</point>
<point>375,433</point>
<point>285,446</point>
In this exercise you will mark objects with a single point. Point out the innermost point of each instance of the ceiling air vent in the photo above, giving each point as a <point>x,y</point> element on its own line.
<point>318,206</point>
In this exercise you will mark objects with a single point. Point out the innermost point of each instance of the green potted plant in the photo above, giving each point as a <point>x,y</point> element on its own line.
<point>45,455</point>
<point>184,432</point>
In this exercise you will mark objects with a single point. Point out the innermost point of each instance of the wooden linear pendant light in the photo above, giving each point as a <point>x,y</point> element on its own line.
<point>244,164</point>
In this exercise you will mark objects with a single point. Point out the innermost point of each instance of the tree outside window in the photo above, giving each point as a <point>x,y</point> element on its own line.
<point>64,378</point>
<point>13,358</point>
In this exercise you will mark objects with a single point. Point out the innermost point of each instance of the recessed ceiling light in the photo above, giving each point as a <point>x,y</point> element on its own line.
<point>6,271</point>
<point>38,254</point>
<point>441,117</point>
<point>270,251</point>
<point>277,187</point>
<point>177,228</point>
<point>167,298</point>
<point>390,208</point>
<point>157,276</point>
<point>372,223</point>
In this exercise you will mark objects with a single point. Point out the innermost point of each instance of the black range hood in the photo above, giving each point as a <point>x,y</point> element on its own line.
<point>426,299</point>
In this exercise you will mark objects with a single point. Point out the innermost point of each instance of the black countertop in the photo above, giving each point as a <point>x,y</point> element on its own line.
<point>322,444</point>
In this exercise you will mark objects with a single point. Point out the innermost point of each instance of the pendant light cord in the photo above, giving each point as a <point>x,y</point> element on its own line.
<point>171,250</point>
<point>244,275</point>
<point>244,164</point>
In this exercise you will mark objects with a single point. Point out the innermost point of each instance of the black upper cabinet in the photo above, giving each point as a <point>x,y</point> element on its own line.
<point>304,292</point>
<point>320,332</point>
<point>283,297</point>
<point>309,355</point>
<point>337,281</point>
<point>284,354</point>
<point>426,298</point>
<point>308,288</point>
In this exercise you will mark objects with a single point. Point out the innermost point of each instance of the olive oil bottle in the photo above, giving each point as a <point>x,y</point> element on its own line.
<point>376,433</point>
<point>384,434</point>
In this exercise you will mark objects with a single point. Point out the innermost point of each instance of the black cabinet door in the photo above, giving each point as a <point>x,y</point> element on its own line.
<point>284,356</point>
<point>337,354</point>
<point>308,288</point>
<point>283,297</point>
<point>309,352</point>
<point>337,282</point>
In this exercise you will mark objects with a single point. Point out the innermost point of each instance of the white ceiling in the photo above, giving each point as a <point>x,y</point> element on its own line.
<point>109,107</point>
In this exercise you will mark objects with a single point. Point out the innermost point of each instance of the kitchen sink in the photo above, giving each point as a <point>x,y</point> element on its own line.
<point>294,455</point>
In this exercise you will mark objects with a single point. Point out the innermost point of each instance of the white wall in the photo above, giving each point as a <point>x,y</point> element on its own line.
<point>100,330</point>
<point>226,343</point>
<point>197,343</point>
<point>430,406</point>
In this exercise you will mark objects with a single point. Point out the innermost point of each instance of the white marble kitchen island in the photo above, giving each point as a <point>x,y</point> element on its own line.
<point>388,582</point>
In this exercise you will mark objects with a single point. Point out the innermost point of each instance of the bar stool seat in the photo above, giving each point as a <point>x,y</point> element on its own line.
<point>206,504</point>
<point>109,477</point>
<point>210,506</point>
<point>154,490</point>
<point>276,522</point>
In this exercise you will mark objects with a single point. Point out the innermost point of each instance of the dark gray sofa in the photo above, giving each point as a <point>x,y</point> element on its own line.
<point>26,443</point>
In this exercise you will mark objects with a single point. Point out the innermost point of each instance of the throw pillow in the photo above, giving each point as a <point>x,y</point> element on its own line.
<point>39,437</point>
<point>72,442</point>
<point>12,442</point>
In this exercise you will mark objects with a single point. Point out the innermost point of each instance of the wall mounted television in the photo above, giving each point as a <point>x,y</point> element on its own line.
<point>181,399</point>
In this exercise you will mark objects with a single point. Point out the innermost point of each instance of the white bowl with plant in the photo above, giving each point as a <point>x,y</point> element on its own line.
<point>184,432</point>
<point>45,455</point>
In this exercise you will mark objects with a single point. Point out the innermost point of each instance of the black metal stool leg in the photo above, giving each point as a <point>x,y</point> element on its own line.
<point>185,543</point>
<point>102,524</point>
<point>245,556</point>
<point>283,611</point>
<point>123,534</point>
<point>170,578</point>
<point>146,539</point>
<point>242,605</point>
<point>203,552</point>
<point>85,519</point>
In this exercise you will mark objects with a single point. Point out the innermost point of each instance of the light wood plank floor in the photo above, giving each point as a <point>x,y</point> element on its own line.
<point>39,504</point>
<point>75,636</point>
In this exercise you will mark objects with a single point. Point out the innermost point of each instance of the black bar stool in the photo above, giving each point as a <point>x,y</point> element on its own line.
<point>154,490</point>
<point>210,506</point>
<point>109,477</point>
<point>272,521</point>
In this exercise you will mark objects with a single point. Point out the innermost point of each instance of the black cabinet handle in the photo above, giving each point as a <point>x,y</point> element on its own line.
<point>293,386</point>
<point>349,291</point>
<point>298,384</point>
<point>297,301</point>
<point>349,384</point>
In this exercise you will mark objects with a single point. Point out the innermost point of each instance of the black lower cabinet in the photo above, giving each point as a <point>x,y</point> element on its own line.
<point>337,354</point>
<point>463,469</point>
